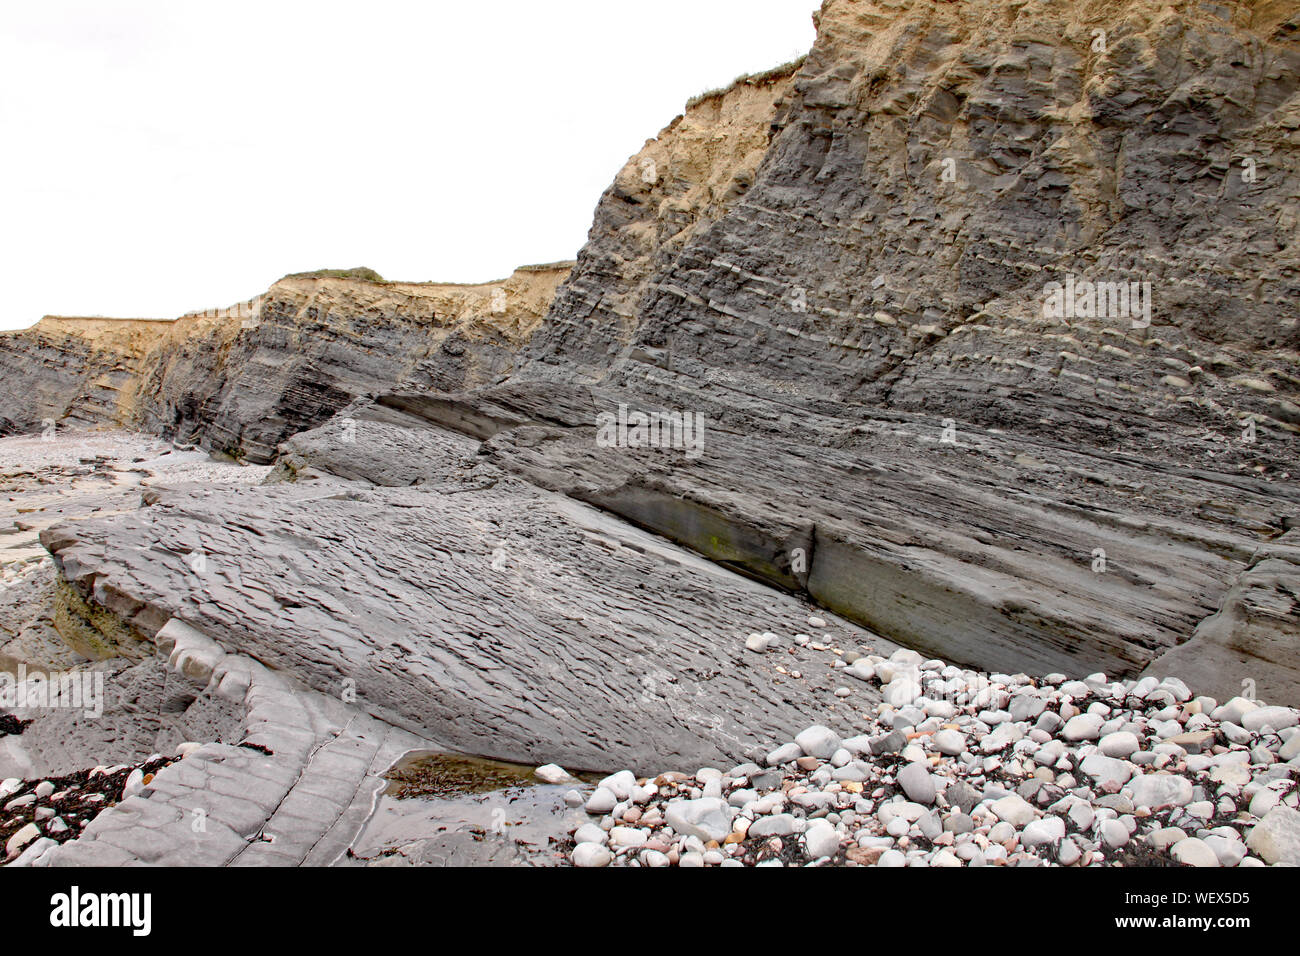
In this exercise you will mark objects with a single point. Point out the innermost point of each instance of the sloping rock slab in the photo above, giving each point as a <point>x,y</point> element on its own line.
<point>475,609</point>
<point>998,551</point>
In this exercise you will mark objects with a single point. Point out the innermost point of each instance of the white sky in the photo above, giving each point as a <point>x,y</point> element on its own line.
<point>158,157</point>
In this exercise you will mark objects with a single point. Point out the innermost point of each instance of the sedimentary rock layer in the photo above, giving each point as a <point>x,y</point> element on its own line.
<point>890,336</point>
<point>73,370</point>
<point>316,343</point>
<point>472,607</point>
<point>243,384</point>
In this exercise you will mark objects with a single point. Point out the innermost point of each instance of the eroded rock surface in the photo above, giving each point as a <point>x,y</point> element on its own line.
<point>77,371</point>
<point>473,607</point>
<point>868,329</point>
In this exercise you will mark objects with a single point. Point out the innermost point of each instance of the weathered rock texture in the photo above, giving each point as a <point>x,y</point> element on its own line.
<point>466,605</point>
<point>852,270</point>
<point>242,385</point>
<point>73,370</point>
<point>680,182</point>
<point>865,329</point>
<point>315,344</point>
<point>844,271</point>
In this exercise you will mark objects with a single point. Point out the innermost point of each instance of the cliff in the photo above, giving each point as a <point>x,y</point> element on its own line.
<point>867,280</point>
<point>674,188</point>
<point>316,343</point>
<point>73,370</point>
<point>917,414</point>
<point>242,383</point>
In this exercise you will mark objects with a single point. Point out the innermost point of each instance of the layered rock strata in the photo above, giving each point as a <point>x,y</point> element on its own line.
<point>76,371</point>
<point>465,605</point>
<point>242,384</point>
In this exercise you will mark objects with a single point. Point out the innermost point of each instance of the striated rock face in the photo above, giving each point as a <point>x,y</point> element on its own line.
<point>242,385</point>
<point>316,343</point>
<point>935,166</point>
<point>668,193</point>
<point>915,415</point>
<point>461,603</point>
<point>73,370</point>
<point>866,282</point>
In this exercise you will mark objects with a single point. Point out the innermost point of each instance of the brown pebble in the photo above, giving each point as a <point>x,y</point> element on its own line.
<point>865,856</point>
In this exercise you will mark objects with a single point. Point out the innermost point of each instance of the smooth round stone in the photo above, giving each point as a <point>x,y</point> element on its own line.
<point>1157,790</point>
<point>1194,852</point>
<point>1120,744</point>
<point>1166,837</point>
<point>1013,809</point>
<point>818,741</point>
<point>1106,770</point>
<point>1278,718</point>
<point>780,824</point>
<point>941,709</point>
<point>654,858</point>
<point>1048,830</point>
<point>1229,851</point>
<point>693,859</point>
<point>1264,801</point>
<point>901,692</point>
<point>917,783</point>
<point>590,833</point>
<point>821,841</point>
<point>784,754</point>
<point>628,836</point>
<point>1114,833</point>
<point>619,784</point>
<point>1082,727</point>
<point>602,801</point>
<point>1276,838</point>
<point>950,743</point>
<point>574,799</point>
<point>591,855</point>
<point>892,859</point>
<point>1069,853</point>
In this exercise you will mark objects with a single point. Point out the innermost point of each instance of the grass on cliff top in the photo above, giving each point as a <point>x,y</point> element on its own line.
<point>361,272</point>
<point>751,79</point>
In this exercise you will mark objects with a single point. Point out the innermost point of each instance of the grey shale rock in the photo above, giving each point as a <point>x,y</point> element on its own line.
<point>917,783</point>
<point>851,274</point>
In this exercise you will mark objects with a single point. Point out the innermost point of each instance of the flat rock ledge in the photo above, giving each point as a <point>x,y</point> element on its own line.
<point>297,790</point>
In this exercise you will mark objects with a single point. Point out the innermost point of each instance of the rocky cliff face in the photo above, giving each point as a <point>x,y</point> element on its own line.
<point>935,166</point>
<point>680,183</point>
<point>73,370</point>
<point>875,280</point>
<point>316,343</point>
<point>242,385</point>
<point>998,350</point>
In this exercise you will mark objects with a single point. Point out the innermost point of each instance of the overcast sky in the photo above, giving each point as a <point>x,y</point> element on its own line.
<point>159,157</point>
